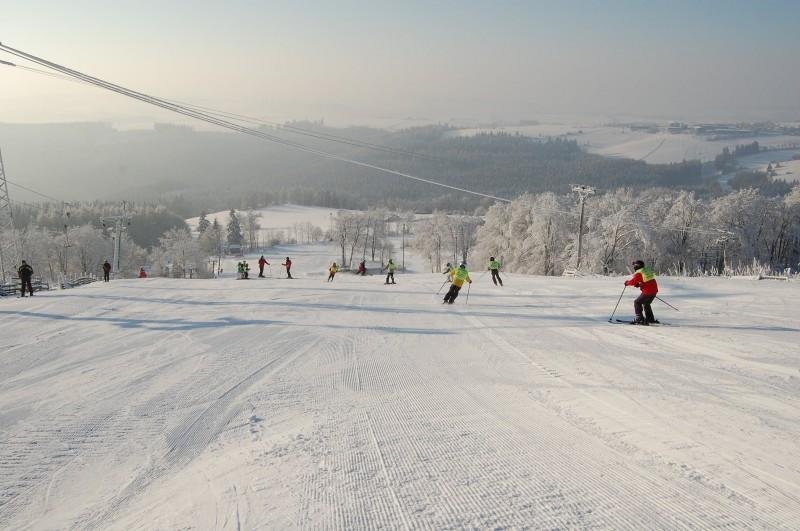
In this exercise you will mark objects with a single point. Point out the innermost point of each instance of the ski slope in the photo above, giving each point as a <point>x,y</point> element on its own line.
<point>279,404</point>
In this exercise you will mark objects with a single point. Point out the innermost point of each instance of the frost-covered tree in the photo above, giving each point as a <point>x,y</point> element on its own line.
<point>251,228</point>
<point>203,223</point>
<point>235,238</point>
<point>179,255</point>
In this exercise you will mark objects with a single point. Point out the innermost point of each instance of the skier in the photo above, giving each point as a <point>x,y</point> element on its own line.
<point>645,279</point>
<point>261,263</point>
<point>362,268</point>
<point>106,270</point>
<point>494,267</point>
<point>390,269</point>
<point>142,273</point>
<point>245,269</point>
<point>25,273</point>
<point>459,277</point>
<point>449,270</point>
<point>332,271</point>
<point>240,270</point>
<point>288,266</point>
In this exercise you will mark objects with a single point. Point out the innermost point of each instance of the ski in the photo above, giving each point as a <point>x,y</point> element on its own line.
<point>624,321</point>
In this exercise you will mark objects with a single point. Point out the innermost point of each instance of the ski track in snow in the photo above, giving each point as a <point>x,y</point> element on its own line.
<point>220,404</point>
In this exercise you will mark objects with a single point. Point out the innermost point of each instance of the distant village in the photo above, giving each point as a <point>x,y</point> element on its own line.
<point>719,131</point>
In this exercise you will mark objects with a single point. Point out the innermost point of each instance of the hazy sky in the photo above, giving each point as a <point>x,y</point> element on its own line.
<point>380,62</point>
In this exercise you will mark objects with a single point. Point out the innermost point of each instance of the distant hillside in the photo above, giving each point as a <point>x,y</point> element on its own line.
<point>214,170</point>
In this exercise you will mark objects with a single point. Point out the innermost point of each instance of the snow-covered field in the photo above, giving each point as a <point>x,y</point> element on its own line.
<point>279,217</point>
<point>661,147</point>
<point>214,404</point>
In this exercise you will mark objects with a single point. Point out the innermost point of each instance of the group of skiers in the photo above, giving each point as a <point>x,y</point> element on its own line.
<point>643,278</point>
<point>243,268</point>
<point>390,268</point>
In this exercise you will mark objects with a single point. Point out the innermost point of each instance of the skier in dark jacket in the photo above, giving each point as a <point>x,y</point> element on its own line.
<point>25,273</point>
<point>261,263</point>
<point>106,270</point>
<point>645,279</point>
<point>362,268</point>
<point>288,266</point>
<point>494,267</point>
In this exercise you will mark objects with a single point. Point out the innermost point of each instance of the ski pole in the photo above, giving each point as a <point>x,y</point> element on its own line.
<point>615,307</point>
<point>668,304</point>
<point>440,287</point>
<point>468,286</point>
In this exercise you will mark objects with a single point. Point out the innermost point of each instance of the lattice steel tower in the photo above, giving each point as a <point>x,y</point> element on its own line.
<point>8,241</point>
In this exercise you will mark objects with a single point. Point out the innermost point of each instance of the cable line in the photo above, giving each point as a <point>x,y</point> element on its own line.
<point>260,121</point>
<point>196,112</point>
<point>186,111</point>
<point>51,198</point>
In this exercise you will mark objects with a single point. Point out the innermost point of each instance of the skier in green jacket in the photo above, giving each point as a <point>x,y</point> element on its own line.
<point>494,267</point>
<point>390,269</point>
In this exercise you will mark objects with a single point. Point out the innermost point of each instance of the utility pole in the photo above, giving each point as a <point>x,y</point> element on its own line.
<point>404,247</point>
<point>117,224</point>
<point>67,245</point>
<point>6,226</point>
<point>583,192</point>
<point>722,242</point>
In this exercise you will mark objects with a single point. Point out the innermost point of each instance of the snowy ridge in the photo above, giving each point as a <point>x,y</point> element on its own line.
<point>164,403</point>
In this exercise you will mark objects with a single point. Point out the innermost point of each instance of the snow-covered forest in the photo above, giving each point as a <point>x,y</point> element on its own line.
<point>672,230</point>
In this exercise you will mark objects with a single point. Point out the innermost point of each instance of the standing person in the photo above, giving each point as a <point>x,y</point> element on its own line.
<point>239,270</point>
<point>142,273</point>
<point>390,269</point>
<point>106,270</point>
<point>460,276</point>
<point>288,265</point>
<point>494,267</point>
<point>645,279</point>
<point>261,263</point>
<point>332,271</point>
<point>245,269</point>
<point>25,272</point>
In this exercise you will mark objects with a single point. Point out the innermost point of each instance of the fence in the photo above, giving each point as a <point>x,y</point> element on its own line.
<point>14,286</point>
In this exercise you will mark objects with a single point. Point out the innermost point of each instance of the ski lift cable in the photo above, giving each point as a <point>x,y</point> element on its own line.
<point>177,108</point>
<point>31,190</point>
<point>258,121</point>
<point>195,112</point>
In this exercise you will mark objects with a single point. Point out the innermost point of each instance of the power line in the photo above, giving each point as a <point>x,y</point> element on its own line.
<point>186,111</point>
<point>196,112</point>
<point>31,190</point>
<point>260,121</point>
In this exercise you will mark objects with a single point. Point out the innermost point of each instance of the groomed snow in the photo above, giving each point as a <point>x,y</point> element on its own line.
<point>274,403</point>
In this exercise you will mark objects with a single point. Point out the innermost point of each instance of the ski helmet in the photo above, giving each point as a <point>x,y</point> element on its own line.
<point>463,265</point>
<point>637,264</point>
<point>491,258</point>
